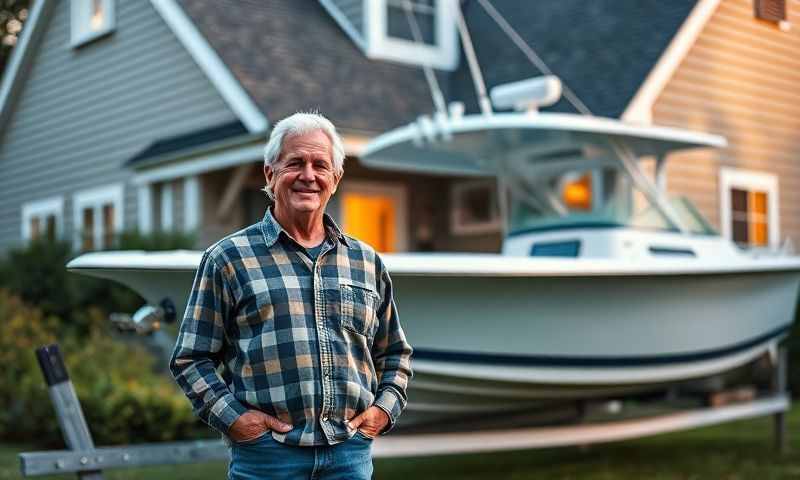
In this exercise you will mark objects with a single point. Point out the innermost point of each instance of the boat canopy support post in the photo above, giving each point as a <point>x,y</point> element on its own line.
<point>628,160</point>
<point>661,173</point>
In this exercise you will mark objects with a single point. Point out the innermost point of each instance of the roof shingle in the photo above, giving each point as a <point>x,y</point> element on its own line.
<point>290,55</point>
<point>602,49</point>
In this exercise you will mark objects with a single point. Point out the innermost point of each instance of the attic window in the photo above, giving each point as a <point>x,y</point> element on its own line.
<point>770,10</point>
<point>390,36</point>
<point>423,13</point>
<point>91,19</point>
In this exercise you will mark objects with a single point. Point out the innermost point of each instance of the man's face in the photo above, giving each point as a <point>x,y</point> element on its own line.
<point>303,179</point>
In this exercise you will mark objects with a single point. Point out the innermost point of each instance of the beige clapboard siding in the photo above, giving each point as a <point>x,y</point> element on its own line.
<point>740,79</point>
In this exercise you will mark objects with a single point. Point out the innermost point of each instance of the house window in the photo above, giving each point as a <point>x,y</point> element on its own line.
<point>423,13</point>
<point>43,219</point>
<point>749,203</point>
<point>98,217</point>
<point>770,10</point>
<point>390,34</point>
<point>475,207</point>
<point>91,19</point>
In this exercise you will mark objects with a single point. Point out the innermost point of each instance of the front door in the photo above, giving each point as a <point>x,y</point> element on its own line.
<point>374,213</point>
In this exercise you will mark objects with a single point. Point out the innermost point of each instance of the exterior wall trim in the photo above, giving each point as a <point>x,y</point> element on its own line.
<point>167,207</point>
<point>201,164</point>
<point>749,179</point>
<point>144,205</point>
<point>192,203</point>
<point>212,65</point>
<point>228,157</point>
<point>640,108</point>
<point>21,56</point>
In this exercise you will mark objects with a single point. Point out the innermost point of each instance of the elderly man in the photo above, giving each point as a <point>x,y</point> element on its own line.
<point>291,345</point>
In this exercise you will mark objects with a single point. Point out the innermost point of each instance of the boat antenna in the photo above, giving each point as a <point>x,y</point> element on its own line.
<point>529,52</point>
<point>472,60</point>
<point>430,77</point>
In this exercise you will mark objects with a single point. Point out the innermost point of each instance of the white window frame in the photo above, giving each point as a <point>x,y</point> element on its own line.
<point>144,208</point>
<point>42,208</point>
<point>192,204</point>
<point>749,180</point>
<point>461,228</point>
<point>96,198</point>
<point>80,18</point>
<point>167,206</point>
<point>381,46</point>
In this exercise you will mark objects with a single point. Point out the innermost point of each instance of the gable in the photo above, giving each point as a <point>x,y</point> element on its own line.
<point>82,112</point>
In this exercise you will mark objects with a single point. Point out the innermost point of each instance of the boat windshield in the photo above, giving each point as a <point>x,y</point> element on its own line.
<point>544,196</point>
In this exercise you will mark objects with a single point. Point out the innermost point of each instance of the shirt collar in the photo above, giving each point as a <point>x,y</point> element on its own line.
<point>272,229</point>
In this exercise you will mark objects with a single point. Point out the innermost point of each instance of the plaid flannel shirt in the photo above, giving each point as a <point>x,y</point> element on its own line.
<point>313,343</point>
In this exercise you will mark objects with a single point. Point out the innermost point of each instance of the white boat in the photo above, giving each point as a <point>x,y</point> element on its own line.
<point>614,291</point>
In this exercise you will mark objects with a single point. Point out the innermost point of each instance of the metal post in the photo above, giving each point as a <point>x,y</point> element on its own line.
<point>780,387</point>
<point>68,408</point>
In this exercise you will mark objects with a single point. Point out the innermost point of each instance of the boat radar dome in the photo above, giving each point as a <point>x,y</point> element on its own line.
<point>527,95</point>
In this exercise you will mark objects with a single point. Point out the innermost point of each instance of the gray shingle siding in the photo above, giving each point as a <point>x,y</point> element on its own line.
<point>83,112</point>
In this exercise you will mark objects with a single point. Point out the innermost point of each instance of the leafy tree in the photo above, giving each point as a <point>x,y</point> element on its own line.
<point>12,15</point>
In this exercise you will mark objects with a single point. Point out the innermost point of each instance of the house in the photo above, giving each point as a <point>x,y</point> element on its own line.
<point>152,114</point>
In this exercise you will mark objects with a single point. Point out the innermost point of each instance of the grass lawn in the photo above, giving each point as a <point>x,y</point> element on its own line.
<point>740,450</point>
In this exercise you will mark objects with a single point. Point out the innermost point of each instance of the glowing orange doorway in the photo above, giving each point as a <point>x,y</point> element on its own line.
<point>371,218</point>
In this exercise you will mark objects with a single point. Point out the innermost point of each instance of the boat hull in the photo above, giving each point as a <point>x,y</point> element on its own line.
<point>520,335</point>
<point>484,345</point>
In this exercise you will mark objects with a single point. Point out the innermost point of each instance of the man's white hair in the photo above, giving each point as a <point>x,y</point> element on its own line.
<point>299,124</point>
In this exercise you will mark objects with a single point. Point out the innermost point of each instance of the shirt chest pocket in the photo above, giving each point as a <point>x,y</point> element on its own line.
<point>357,308</point>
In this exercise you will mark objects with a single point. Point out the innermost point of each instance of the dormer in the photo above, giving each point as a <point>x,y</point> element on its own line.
<point>382,30</point>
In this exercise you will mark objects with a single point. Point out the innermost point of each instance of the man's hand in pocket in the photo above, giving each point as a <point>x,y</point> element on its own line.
<point>253,423</point>
<point>371,421</point>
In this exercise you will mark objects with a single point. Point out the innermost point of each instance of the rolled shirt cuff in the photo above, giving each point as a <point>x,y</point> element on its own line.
<point>225,412</point>
<point>389,402</point>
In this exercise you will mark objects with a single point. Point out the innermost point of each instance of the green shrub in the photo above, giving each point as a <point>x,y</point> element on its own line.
<point>123,398</point>
<point>37,274</point>
<point>27,412</point>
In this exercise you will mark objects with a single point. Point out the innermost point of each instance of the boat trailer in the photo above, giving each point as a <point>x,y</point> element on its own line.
<point>88,461</point>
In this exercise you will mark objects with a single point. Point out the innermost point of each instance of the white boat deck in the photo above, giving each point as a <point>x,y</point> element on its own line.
<point>471,264</point>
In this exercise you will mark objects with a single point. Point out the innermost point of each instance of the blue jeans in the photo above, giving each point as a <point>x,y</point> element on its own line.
<point>264,458</point>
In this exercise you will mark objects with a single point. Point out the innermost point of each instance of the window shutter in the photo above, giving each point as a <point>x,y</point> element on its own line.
<point>771,10</point>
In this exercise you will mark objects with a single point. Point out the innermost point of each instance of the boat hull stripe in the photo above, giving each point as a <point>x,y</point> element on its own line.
<point>592,361</point>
